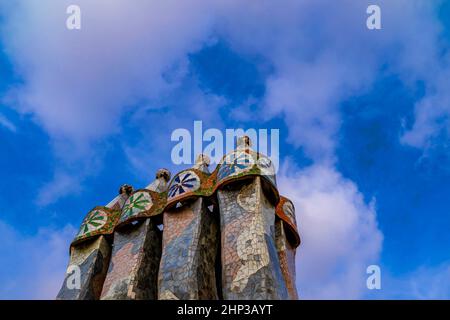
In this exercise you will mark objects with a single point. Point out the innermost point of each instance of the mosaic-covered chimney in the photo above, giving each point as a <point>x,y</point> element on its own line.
<point>190,237</point>
<point>133,270</point>
<point>225,234</point>
<point>90,251</point>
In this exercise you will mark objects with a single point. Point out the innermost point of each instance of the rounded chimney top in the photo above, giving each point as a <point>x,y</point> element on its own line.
<point>163,173</point>
<point>244,142</point>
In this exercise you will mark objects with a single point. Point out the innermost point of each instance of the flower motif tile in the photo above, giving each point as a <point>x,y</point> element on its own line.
<point>187,181</point>
<point>94,221</point>
<point>235,163</point>
<point>136,203</point>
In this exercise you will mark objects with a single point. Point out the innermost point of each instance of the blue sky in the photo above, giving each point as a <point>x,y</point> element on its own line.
<point>364,119</point>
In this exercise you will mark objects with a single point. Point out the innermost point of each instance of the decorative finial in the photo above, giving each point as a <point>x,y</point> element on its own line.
<point>203,159</point>
<point>126,188</point>
<point>202,162</point>
<point>163,173</point>
<point>244,142</point>
<point>161,180</point>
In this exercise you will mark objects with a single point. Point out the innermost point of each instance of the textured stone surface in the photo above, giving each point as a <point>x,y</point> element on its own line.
<point>133,269</point>
<point>92,257</point>
<point>286,255</point>
<point>190,240</point>
<point>250,265</point>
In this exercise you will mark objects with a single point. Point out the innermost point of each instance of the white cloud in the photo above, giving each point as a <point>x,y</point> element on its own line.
<point>7,124</point>
<point>323,54</point>
<point>61,185</point>
<point>430,282</point>
<point>33,266</point>
<point>340,236</point>
<point>432,113</point>
<point>425,282</point>
<point>79,84</point>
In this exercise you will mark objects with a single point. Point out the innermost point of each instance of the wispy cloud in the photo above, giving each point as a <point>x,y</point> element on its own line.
<point>33,266</point>
<point>80,84</point>
<point>7,124</point>
<point>323,54</point>
<point>61,185</point>
<point>425,282</point>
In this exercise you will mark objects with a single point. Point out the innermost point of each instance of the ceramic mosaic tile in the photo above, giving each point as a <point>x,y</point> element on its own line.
<point>102,220</point>
<point>189,183</point>
<point>244,163</point>
<point>237,203</point>
<point>132,273</point>
<point>190,241</point>
<point>190,238</point>
<point>136,253</point>
<point>285,210</point>
<point>184,182</point>
<point>250,265</point>
<point>92,258</point>
<point>142,204</point>
<point>99,221</point>
<point>286,255</point>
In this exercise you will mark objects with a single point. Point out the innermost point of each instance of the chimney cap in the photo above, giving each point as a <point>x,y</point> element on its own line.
<point>163,173</point>
<point>126,188</point>
<point>203,159</point>
<point>244,142</point>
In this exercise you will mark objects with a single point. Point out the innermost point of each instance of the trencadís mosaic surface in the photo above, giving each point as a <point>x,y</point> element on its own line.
<point>242,163</point>
<point>142,204</point>
<point>99,221</point>
<point>286,211</point>
<point>225,234</point>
